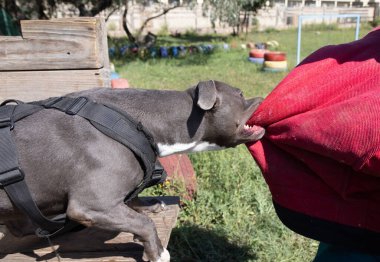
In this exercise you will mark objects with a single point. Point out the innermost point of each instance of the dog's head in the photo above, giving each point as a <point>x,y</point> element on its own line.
<point>226,113</point>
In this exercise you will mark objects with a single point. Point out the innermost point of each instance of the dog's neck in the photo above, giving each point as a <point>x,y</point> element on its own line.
<point>171,117</point>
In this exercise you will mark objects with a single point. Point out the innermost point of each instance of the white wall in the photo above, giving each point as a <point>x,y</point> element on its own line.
<point>184,19</point>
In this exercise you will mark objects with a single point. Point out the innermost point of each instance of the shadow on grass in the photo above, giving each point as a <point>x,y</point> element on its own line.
<point>188,59</point>
<point>192,244</point>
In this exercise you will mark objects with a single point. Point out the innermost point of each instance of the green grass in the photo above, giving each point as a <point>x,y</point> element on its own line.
<point>232,217</point>
<point>228,66</point>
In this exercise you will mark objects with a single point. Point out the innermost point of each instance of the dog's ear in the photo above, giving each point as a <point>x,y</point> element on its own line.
<point>206,94</point>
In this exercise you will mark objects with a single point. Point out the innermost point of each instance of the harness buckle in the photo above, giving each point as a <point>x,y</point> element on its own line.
<point>158,175</point>
<point>10,177</point>
<point>52,102</point>
<point>6,122</point>
<point>77,105</point>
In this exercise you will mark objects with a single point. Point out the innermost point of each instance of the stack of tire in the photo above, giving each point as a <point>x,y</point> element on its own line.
<point>257,55</point>
<point>275,62</point>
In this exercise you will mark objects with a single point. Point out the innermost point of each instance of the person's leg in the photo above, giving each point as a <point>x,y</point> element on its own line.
<point>331,253</point>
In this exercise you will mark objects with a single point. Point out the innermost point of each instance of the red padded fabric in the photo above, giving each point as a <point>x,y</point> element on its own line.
<point>321,152</point>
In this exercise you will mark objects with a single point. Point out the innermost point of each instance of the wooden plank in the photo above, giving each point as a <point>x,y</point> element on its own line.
<point>37,85</point>
<point>79,43</point>
<point>83,256</point>
<point>90,244</point>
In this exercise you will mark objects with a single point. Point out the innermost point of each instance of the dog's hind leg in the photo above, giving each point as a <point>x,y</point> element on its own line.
<point>18,228</point>
<point>121,218</point>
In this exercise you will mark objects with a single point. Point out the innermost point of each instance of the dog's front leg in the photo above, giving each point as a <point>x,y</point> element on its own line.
<point>3,231</point>
<point>121,218</point>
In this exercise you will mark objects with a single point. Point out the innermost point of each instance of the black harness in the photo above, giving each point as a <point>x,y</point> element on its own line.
<point>111,121</point>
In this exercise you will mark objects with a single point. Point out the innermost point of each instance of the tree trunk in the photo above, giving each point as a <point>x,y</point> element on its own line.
<point>100,6</point>
<point>131,38</point>
<point>41,10</point>
<point>238,24</point>
<point>244,23</point>
<point>84,11</point>
<point>234,31</point>
<point>12,8</point>
<point>247,22</point>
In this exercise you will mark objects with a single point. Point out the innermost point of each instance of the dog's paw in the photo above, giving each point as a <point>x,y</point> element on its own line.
<point>3,230</point>
<point>145,257</point>
<point>137,238</point>
<point>161,206</point>
<point>153,206</point>
<point>164,257</point>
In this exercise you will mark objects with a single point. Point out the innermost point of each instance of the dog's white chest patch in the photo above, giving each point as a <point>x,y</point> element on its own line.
<point>165,149</point>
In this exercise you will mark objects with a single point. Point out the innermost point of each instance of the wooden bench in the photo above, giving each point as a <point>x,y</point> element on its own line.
<point>53,58</point>
<point>89,244</point>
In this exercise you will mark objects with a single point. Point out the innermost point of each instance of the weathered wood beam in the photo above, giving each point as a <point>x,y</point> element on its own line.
<point>75,43</point>
<point>36,85</point>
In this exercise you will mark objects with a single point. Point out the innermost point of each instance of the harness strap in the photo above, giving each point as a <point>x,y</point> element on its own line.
<point>12,177</point>
<point>120,126</point>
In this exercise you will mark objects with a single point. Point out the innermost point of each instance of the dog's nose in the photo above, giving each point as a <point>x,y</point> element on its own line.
<point>253,102</point>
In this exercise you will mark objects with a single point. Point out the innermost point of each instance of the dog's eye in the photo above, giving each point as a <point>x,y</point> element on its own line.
<point>241,94</point>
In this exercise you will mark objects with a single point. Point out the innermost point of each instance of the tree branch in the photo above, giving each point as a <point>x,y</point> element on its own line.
<point>112,11</point>
<point>166,10</point>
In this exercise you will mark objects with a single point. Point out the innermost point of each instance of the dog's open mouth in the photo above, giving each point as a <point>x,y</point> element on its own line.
<point>253,131</point>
